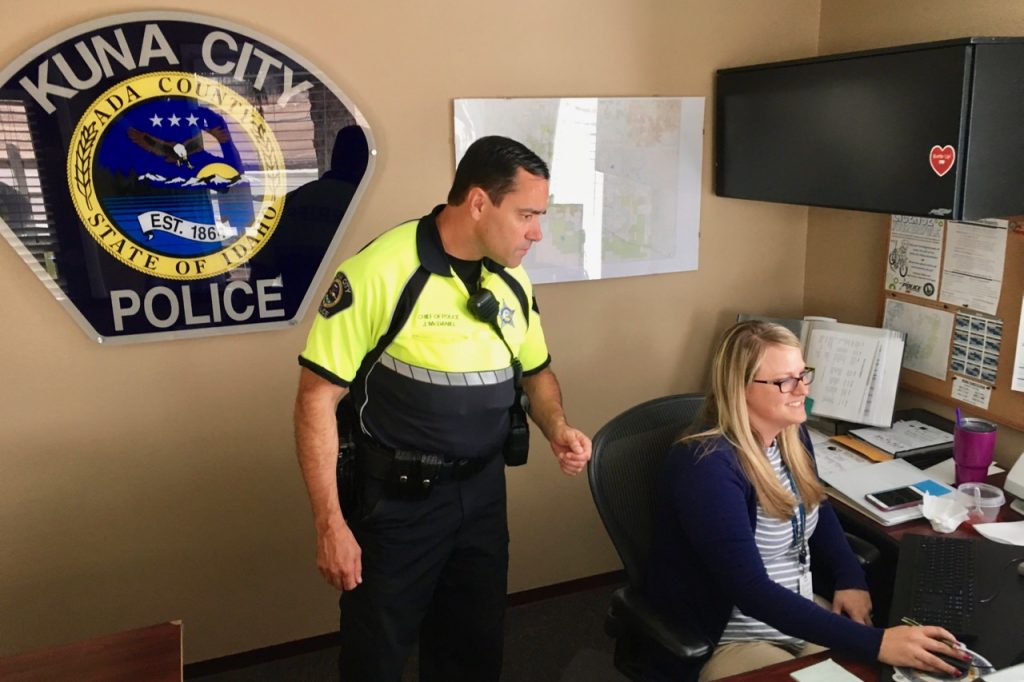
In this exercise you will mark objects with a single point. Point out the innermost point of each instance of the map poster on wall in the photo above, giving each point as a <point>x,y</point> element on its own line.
<point>928,332</point>
<point>625,179</point>
<point>915,256</point>
<point>168,175</point>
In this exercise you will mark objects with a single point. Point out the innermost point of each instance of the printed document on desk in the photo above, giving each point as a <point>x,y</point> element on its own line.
<point>833,459</point>
<point>904,437</point>
<point>853,484</point>
<point>826,671</point>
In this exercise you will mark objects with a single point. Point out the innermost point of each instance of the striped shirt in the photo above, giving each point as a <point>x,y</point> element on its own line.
<point>774,539</point>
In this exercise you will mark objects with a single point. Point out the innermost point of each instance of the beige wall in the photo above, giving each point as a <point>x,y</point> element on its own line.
<point>157,481</point>
<point>846,249</point>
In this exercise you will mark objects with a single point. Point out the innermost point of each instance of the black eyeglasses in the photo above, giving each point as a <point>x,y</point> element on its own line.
<point>788,385</point>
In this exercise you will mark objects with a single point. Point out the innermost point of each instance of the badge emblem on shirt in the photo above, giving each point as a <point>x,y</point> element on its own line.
<point>506,315</point>
<point>338,296</point>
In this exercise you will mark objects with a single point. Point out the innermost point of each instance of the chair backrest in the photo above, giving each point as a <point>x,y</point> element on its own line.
<point>627,456</point>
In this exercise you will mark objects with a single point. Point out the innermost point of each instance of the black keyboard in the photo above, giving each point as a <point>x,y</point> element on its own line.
<point>942,588</point>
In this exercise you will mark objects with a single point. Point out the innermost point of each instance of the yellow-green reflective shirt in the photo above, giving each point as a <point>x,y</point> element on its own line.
<point>444,384</point>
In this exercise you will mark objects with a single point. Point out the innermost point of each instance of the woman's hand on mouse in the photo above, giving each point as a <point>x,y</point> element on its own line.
<point>915,646</point>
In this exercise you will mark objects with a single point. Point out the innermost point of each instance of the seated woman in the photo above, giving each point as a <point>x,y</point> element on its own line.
<point>741,516</point>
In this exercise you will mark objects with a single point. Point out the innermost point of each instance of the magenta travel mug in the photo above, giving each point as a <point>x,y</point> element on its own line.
<point>974,441</point>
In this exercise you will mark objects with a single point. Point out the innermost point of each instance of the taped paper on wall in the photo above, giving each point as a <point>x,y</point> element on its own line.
<point>915,252</point>
<point>971,392</point>
<point>972,275</point>
<point>928,333</point>
<point>1018,361</point>
<point>977,341</point>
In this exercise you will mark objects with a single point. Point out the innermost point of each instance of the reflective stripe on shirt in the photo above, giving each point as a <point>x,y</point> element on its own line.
<point>433,376</point>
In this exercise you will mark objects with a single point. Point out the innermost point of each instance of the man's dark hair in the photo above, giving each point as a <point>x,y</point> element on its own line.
<point>491,164</point>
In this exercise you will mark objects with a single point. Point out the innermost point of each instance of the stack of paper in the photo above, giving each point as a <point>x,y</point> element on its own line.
<point>905,437</point>
<point>853,484</point>
<point>857,371</point>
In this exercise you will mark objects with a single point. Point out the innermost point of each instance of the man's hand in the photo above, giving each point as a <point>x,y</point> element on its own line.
<point>854,603</point>
<point>572,448</point>
<point>339,557</point>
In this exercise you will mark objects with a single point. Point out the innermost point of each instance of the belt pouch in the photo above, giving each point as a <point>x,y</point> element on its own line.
<point>516,448</point>
<point>413,474</point>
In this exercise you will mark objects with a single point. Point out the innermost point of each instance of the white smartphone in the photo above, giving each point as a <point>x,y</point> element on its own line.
<point>895,498</point>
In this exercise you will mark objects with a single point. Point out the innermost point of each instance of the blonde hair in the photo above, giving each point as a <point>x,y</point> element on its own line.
<point>736,361</point>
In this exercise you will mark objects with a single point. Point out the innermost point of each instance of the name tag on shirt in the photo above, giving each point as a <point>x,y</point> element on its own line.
<point>804,585</point>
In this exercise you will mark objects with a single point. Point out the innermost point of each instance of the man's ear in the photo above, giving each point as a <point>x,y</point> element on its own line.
<point>478,201</point>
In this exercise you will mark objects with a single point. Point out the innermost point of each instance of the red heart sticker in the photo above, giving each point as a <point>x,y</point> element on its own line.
<point>941,159</point>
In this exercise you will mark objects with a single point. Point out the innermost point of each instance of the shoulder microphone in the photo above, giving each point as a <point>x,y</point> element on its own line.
<point>483,305</point>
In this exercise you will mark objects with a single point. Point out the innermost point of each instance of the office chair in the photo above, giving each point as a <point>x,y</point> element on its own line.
<point>623,471</point>
<point>626,459</point>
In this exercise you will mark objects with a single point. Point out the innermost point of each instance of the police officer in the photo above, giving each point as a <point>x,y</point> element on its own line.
<point>426,335</point>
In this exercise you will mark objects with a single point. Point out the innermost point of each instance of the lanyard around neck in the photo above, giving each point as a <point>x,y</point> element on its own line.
<point>799,528</point>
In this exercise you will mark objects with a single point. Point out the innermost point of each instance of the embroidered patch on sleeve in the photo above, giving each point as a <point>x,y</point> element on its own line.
<point>338,296</point>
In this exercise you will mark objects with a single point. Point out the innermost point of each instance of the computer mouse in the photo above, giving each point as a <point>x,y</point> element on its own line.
<point>961,665</point>
<point>1020,568</point>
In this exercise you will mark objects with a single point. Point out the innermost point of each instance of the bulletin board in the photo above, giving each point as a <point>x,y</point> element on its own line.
<point>993,348</point>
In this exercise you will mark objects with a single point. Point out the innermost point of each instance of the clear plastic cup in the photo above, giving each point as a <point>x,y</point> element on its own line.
<point>982,500</point>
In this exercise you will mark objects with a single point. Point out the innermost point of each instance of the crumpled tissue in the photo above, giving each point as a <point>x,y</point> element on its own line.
<point>944,513</point>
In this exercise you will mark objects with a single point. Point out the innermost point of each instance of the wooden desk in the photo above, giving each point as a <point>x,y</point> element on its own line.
<point>888,537</point>
<point>884,537</point>
<point>869,672</point>
<point>151,653</point>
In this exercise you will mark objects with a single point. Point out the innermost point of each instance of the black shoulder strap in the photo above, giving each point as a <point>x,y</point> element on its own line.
<point>346,413</point>
<point>403,309</point>
<point>518,290</point>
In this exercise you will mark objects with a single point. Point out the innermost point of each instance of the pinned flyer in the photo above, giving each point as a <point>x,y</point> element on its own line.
<point>915,255</point>
<point>971,392</point>
<point>1018,362</point>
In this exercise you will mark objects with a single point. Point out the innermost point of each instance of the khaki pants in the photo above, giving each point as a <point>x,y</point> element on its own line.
<point>734,658</point>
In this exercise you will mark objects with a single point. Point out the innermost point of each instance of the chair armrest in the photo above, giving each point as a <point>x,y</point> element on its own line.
<point>630,610</point>
<point>867,554</point>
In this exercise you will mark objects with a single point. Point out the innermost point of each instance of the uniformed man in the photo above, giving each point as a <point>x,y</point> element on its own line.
<point>425,334</point>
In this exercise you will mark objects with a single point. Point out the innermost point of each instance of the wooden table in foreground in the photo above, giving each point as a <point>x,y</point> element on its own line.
<point>152,654</point>
<point>869,672</point>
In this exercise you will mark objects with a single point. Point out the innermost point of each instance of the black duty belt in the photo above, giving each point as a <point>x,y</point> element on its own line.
<point>415,468</point>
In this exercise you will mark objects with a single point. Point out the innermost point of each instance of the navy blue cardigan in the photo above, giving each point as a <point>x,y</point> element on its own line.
<point>704,559</point>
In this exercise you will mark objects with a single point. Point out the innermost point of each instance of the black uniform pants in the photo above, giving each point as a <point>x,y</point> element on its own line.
<point>437,568</point>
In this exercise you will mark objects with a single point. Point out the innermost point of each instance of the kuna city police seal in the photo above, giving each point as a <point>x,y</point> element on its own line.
<point>176,175</point>
<point>157,175</point>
